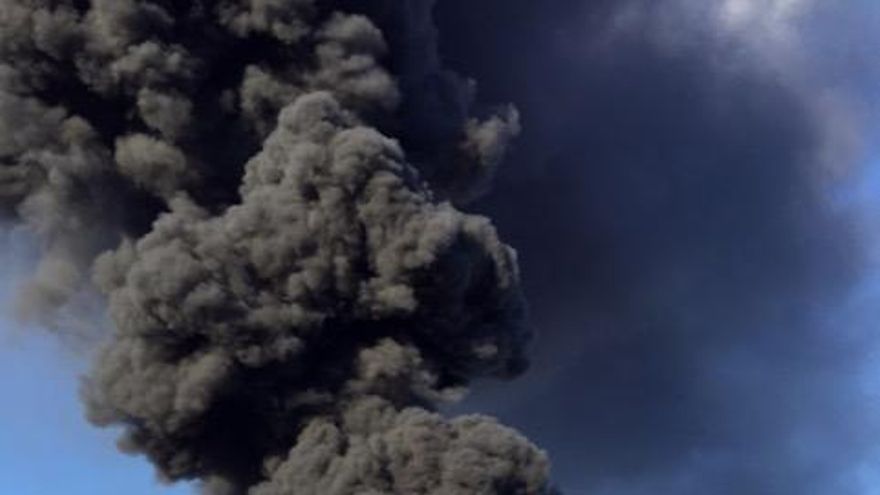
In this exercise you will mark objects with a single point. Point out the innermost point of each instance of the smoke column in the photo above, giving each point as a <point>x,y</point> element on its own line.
<point>265,193</point>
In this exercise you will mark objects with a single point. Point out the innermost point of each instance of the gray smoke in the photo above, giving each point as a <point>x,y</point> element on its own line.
<point>292,290</point>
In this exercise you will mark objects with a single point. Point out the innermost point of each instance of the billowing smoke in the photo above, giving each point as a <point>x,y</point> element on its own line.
<point>264,192</point>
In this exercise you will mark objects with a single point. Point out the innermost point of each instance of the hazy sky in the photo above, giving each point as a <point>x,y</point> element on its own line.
<point>696,201</point>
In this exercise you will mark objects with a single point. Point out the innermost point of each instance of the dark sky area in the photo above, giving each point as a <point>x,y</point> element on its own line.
<point>685,266</point>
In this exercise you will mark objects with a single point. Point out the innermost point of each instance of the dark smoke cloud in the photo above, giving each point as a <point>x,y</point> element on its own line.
<point>681,257</point>
<point>292,290</point>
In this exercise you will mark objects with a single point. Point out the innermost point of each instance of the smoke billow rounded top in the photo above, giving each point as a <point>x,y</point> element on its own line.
<point>270,214</point>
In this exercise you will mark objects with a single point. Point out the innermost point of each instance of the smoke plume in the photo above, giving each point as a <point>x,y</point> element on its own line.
<point>670,201</point>
<point>264,191</point>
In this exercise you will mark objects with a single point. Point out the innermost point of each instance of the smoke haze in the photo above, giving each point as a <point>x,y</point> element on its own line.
<point>687,268</point>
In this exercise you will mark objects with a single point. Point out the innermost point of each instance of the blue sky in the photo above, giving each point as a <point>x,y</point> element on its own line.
<point>46,446</point>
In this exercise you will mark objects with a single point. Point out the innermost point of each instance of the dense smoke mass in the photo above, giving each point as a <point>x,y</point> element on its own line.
<point>265,192</point>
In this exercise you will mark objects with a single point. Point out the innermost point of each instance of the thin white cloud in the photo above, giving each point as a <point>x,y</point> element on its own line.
<point>769,29</point>
<point>773,16</point>
<point>769,25</point>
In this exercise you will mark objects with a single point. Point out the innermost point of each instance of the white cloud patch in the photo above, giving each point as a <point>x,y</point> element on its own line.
<point>772,15</point>
<point>770,25</point>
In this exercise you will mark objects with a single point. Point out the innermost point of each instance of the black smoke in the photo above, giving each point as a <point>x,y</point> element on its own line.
<point>680,252</point>
<point>264,193</point>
